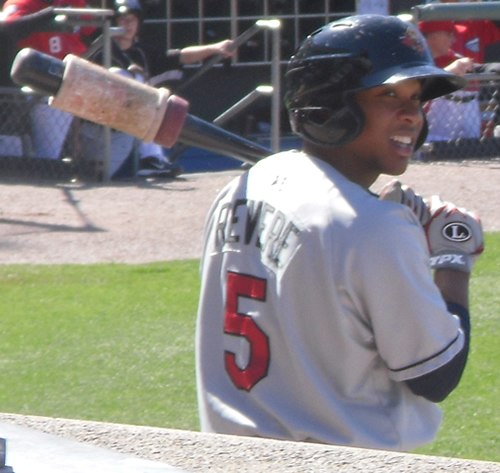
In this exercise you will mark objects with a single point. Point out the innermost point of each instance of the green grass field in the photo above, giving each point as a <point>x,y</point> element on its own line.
<point>115,343</point>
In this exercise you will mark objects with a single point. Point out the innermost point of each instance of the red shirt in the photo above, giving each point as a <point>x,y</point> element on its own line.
<point>474,36</point>
<point>55,43</point>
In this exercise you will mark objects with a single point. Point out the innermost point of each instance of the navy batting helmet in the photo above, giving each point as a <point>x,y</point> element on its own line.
<point>124,7</point>
<point>349,55</point>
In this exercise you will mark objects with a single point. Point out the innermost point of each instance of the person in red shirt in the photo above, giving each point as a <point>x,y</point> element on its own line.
<point>455,115</point>
<point>472,37</point>
<point>49,126</point>
<point>441,36</point>
<point>56,43</point>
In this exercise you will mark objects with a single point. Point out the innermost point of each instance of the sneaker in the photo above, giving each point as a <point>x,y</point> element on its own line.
<point>153,167</point>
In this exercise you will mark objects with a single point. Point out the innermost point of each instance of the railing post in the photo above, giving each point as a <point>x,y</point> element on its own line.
<point>276,83</point>
<point>98,17</point>
<point>275,26</point>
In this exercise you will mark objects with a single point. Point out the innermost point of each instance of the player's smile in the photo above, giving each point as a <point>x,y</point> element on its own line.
<point>394,119</point>
<point>404,144</point>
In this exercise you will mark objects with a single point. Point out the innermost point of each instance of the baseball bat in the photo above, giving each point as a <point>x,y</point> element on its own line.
<point>96,94</point>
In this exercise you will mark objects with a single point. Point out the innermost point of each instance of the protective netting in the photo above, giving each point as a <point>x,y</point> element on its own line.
<point>464,125</point>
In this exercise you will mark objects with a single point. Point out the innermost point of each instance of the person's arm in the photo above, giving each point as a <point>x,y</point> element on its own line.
<point>454,286</point>
<point>453,282</point>
<point>19,26</point>
<point>437,385</point>
<point>194,54</point>
<point>460,66</point>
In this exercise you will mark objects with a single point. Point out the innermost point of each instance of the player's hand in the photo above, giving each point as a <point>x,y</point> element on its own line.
<point>460,66</point>
<point>454,236</point>
<point>401,193</point>
<point>225,47</point>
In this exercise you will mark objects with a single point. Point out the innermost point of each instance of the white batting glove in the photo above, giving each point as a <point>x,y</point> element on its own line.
<point>454,236</point>
<point>401,193</point>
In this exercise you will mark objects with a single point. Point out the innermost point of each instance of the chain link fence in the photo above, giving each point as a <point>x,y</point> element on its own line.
<point>40,142</point>
<point>465,124</point>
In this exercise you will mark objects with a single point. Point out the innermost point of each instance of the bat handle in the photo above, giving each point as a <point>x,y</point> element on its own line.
<point>202,134</point>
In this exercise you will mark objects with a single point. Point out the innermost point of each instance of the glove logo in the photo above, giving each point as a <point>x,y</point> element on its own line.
<point>457,231</point>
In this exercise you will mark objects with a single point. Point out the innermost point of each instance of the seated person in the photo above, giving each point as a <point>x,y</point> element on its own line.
<point>456,115</point>
<point>36,29</point>
<point>129,58</point>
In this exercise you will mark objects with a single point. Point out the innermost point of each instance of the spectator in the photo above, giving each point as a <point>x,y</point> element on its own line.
<point>13,31</point>
<point>129,57</point>
<point>474,37</point>
<point>455,115</point>
<point>318,318</point>
<point>49,126</point>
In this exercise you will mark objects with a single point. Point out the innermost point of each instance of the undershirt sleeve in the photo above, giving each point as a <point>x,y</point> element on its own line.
<point>436,385</point>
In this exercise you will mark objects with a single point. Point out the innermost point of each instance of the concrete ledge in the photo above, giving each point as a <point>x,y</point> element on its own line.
<point>195,452</point>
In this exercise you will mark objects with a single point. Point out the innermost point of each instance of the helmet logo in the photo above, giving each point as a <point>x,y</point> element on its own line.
<point>412,39</point>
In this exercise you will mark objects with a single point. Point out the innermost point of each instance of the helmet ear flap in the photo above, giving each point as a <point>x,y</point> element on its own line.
<point>329,126</point>
<point>423,134</point>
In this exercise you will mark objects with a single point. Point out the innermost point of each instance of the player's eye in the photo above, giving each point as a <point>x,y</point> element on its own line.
<point>417,98</point>
<point>389,92</point>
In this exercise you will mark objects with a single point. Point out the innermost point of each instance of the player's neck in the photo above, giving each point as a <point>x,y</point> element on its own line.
<point>343,163</point>
<point>124,43</point>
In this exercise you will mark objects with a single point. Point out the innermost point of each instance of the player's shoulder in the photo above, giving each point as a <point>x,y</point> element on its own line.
<point>391,226</point>
<point>390,214</point>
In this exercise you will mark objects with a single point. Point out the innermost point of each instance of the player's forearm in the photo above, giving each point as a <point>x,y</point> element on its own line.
<point>454,286</point>
<point>20,26</point>
<point>192,54</point>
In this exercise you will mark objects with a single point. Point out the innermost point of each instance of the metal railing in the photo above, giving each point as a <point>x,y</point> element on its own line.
<point>194,22</point>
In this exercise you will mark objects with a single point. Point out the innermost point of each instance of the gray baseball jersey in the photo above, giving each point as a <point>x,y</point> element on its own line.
<point>317,302</point>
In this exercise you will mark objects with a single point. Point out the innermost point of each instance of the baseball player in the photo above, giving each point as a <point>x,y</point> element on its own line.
<point>131,59</point>
<point>128,59</point>
<point>49,126</point>
<point>319,318</point>
<point>473,37</point>
<point>456,115</point>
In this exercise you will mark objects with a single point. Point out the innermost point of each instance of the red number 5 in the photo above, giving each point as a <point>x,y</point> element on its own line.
<point>242,325</point>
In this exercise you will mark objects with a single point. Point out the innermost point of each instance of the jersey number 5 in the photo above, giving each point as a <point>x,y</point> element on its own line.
<point>243,325</point>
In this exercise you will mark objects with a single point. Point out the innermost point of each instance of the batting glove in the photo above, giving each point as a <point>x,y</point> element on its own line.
<point>401,193</point>
<point>454,236</point>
